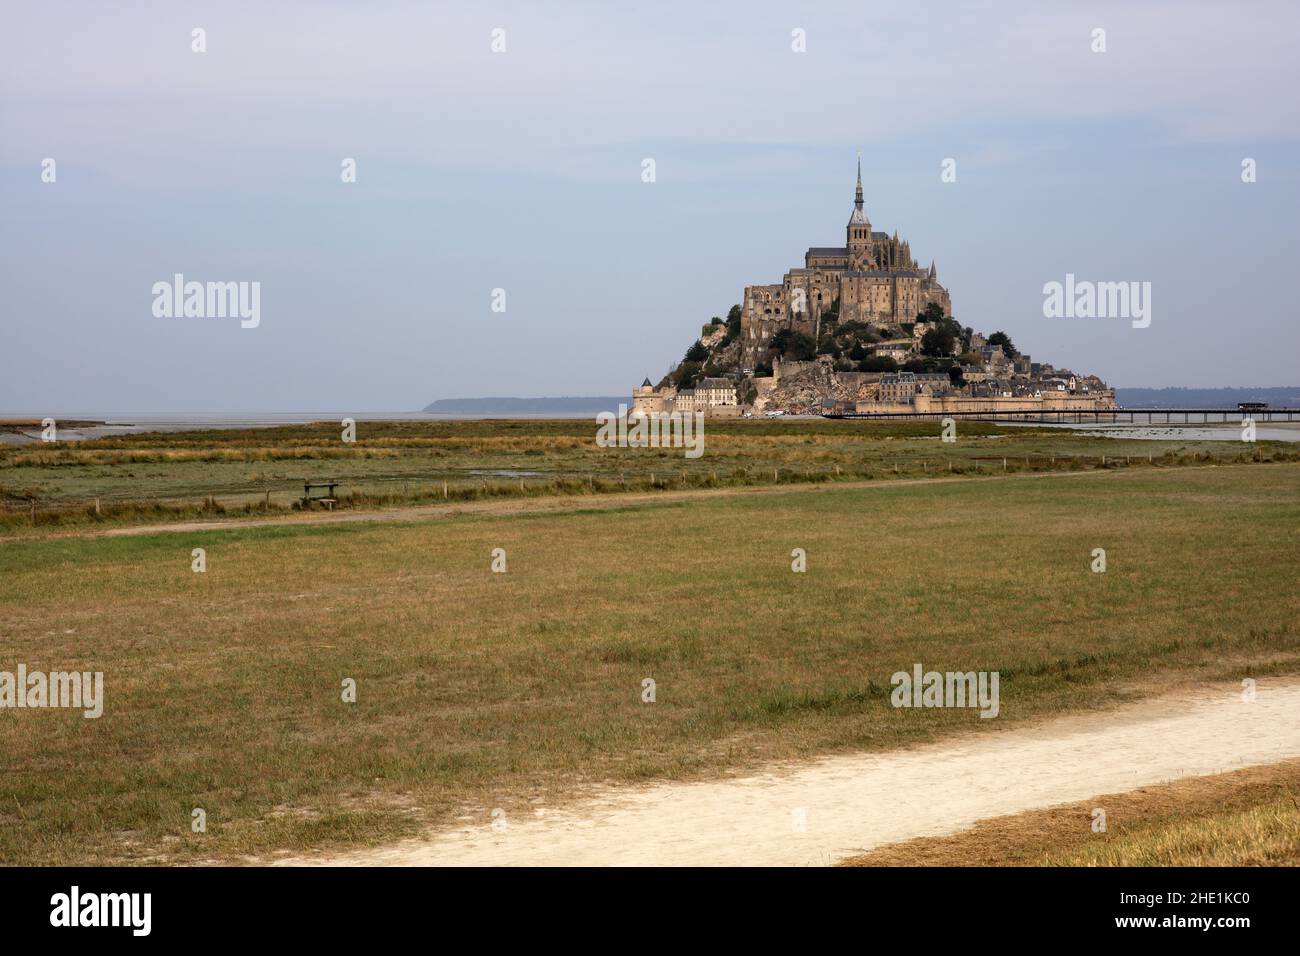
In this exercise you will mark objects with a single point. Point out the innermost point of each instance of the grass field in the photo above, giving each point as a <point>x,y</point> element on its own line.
<point>168,475</point>
<point>479,690</point>
<point>1248,817</point>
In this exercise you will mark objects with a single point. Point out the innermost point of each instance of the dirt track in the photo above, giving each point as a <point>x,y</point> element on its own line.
<point>856,802</point>
<point>602,502</point>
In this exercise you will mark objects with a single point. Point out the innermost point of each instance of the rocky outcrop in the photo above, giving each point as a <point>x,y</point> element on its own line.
<point>803,388</point>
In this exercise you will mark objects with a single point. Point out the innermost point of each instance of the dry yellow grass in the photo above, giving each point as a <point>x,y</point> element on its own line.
<point>478,690</point>
<point>1249,817</point>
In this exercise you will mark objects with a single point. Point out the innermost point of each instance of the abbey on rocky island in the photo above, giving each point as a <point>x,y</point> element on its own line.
<point>860,329</point>
<point>873,276</point>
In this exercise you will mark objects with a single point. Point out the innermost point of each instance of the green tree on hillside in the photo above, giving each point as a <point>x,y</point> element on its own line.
<point>933,312</point>
<point>938,341</point>
<point>877,363</point>
<point>798,346</point>
<point>686,374</point>
<point>1004,340</point>
<point>733,326</point>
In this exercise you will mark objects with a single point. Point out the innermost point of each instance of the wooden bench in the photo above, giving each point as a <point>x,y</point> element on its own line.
<point>328,499</point>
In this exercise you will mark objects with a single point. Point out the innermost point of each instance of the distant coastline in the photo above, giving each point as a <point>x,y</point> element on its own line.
<point>562,407</point>
<point>568,405</point>
<point>1286,397</point>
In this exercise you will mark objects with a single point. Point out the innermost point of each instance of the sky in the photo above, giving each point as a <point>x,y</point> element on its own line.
<point>522,170</point>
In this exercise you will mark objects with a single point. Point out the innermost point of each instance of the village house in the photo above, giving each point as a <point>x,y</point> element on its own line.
<point>902,387</point>
<point>715,397</point>
<point>899,353</point>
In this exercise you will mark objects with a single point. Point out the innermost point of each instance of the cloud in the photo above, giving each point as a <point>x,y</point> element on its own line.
<point>413,83</point>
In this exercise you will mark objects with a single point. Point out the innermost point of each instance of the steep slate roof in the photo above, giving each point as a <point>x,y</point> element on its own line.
<point>859,215</point>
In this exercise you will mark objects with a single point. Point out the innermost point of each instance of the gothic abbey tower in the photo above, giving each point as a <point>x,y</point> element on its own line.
<point>873,276</point>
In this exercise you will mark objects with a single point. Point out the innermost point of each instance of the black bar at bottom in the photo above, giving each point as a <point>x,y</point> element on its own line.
<point>335,906</point>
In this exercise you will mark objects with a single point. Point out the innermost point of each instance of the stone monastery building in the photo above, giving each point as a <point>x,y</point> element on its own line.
<point>873,275</point>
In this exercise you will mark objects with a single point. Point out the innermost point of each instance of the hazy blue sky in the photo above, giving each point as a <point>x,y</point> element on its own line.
<point>521,170</point>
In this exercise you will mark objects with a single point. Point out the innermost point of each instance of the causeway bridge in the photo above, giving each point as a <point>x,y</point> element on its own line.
<point>1104,416</point>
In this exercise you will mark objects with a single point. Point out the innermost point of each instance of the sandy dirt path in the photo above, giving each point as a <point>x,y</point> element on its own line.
<point>602,502</point>
<point>852,803</point>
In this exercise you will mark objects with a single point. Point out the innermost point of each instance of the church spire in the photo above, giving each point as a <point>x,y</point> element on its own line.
<point>859,216</point>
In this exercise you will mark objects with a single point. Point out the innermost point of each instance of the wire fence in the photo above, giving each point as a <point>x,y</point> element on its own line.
<point>371,492</point>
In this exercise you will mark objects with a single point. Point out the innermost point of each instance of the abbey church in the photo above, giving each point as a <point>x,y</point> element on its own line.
<point>873,276</point>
